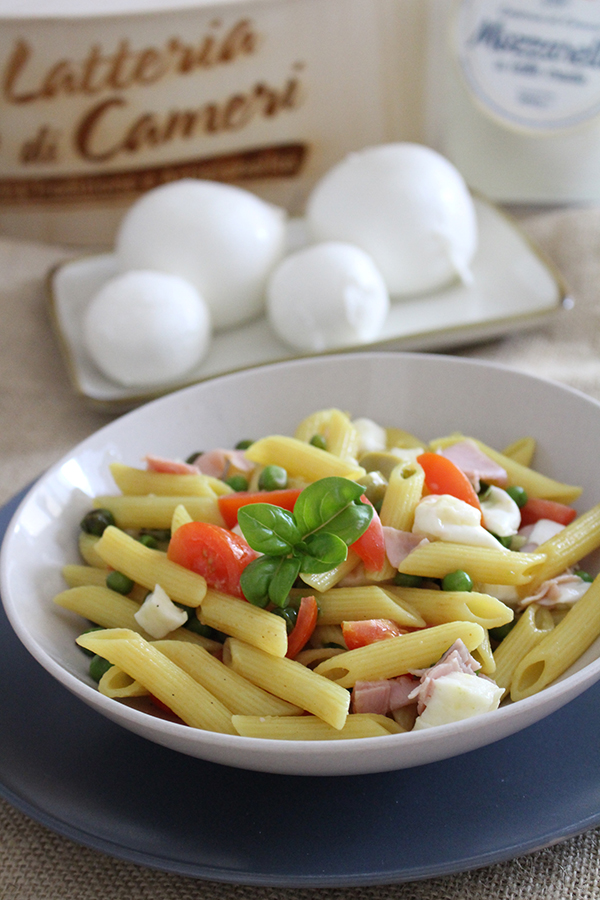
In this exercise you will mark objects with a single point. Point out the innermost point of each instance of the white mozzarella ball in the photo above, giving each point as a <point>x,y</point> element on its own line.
<point>221,238</point>
<point>407,206</point>
<point>327,295</point>
<point>145,328</point>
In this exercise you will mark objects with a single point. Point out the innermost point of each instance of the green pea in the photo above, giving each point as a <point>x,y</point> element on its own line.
<point>98,666</point>
<point>505,540</point>
<point>457,581</point>
<point>288,614</point>
<point>272,478</point>
<point>317,440</point>
<point>194,624</point>
<point>237,482</point>
<point>148,541</point>
<point>118,582</point>
<point>89,631</point>
<point>585,576</point>
<point>498,634</point>
<point>96,521</point>
<point>518,494</point>
<point>191,459</point>
<point>243,445</point>
<point>409,581</point>
<point>162,535</point>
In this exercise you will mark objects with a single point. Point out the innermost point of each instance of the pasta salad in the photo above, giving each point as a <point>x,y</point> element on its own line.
<point>350,581</point>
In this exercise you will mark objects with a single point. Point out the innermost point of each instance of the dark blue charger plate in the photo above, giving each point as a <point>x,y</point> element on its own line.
<point>86,778</point>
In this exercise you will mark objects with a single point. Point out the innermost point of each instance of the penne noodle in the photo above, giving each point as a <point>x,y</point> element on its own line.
<point>150,567</point>
<point>163,679</point>
<point>436,607</point>
<point>76,576</point>
<point>530,628</point>
<point>119,685</point>
<point>242,620</point>
<point>180,517</point>
<point>157,512</point>
<point>136,482</point>
<point>87,549</point>
<point>309,728</point>
<point>396,437</point>
<point>398,655</point>
<point>109,609</point>
<point>235,692</point>
<point>291,681</point>
<point>402,495</point>
<point>560,647</point>
<point>367,602</point>
<point>483,654</point>
<point>436,559</point>
<point>326,580</point>
<point>301,460</point>
<point>521,451</point>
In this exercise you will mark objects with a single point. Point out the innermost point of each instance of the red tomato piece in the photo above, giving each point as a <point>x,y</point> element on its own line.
<point>442,476</point>
<point>361,633</point>
<point>230,504</point>
<point>536,508</point>
<point>213,552</point>
<point>304,627</point>
<point>371,545</point>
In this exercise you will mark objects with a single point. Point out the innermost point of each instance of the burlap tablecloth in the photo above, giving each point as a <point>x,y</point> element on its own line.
<point>41,418</point>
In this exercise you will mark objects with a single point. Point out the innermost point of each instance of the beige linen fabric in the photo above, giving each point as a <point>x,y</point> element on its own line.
<point>41,418</point>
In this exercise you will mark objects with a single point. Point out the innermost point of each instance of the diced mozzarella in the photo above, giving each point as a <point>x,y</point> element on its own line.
<point>446,518</point>
<point>539,533</point>
<point>500,512</point>
<point>458,696</point>
<point>373,437</point>
<point>158,615</point>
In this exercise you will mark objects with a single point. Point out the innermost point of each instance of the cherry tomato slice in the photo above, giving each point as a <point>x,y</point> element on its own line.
<point>371,545</point>
<point>360,633</point>
<point>213,552</point>
<point>442,476</point>
<point>230,504</point>
<point>304,627</point>
<point>536,508</point>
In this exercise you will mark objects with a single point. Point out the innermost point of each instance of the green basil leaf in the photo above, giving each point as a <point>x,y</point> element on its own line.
<point>351,522</point>
<point>325,552</point>
<point>320,503</point>
<point>268,528</point>
<point>283,580</point>
<point>256,578</point>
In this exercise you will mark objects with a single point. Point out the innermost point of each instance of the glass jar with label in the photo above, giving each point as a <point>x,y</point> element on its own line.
<point>515,96</point>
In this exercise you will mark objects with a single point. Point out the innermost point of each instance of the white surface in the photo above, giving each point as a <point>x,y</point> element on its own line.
<point>428,395</point>
<point>513,288</point>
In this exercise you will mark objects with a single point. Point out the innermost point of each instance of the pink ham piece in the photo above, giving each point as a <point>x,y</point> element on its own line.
<point>399,544</point>
<point>564,590</point>
<point>478,467</point>
<point>169,466</point>
<point>215,463</point>
<point>456,659</point>
<point>382,697</point>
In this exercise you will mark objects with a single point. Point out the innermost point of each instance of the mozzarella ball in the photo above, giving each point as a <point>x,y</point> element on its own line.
<point>144,328</point>
<point>222,239</point>
<point>327,295</point>
<point>405,205</point>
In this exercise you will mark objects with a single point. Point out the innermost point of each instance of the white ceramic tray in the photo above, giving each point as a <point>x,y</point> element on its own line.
<point>513,288</point>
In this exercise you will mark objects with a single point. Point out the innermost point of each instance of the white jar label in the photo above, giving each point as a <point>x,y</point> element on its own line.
<point>535,64</point>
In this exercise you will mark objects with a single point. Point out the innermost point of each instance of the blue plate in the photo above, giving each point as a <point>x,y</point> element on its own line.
<point>102,786</point>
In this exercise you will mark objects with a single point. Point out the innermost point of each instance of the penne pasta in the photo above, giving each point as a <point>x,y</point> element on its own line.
<point>119,685</point>
<point>150,567</point>
<point>291,681</point>
<point>109,609</point>
<point>301,460</point>
<point>398,655</point>
<point>163,679</point>
<point>242,620</point>
<point>236,693</point>
<point>157,512</point>
<point>521,451</point>
<point>560,647</point>
<point>308,728</point>
<point>487,566</point>
<point>404,491</point>
<point>436,607</point>
<point>131,481</point>
<point>531,627</point>
<point>339,605</point>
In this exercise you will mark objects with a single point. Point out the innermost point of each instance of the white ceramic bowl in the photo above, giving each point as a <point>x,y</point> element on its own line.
<point>428,395</point>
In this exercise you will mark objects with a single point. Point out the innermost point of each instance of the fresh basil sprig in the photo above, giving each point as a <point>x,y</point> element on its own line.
<point>328,516</point>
